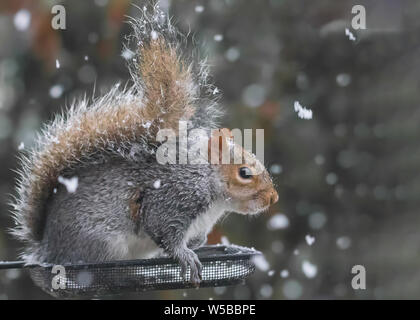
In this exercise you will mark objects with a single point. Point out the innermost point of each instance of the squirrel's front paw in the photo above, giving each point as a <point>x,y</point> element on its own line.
<point>188,258</point>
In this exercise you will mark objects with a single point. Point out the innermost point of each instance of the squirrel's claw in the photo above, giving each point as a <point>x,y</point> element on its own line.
<point>196,271</point>
<point>183,272</point>
<point>190,259</point>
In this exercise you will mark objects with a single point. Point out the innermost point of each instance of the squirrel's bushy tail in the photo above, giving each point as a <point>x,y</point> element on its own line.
<point>167,71</point>
<point>169,85</point>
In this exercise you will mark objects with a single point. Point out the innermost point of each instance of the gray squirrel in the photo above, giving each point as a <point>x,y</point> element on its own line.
<point>126,204</point>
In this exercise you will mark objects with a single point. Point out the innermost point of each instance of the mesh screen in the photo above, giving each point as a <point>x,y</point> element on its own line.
<point>222,265</point>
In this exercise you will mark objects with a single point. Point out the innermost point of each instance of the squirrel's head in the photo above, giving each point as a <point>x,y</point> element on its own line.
<point>248,185</point>
<point>249,192</point>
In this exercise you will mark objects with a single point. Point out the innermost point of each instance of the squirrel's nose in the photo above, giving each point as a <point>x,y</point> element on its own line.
<point>274,197</point>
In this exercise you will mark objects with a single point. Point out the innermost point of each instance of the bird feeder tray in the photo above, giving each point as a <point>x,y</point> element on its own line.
<point>222,266</point>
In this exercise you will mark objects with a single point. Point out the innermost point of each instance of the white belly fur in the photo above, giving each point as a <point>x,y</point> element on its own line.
<point>125,247</point>
<point>143,247</point>
<point>204,222</point>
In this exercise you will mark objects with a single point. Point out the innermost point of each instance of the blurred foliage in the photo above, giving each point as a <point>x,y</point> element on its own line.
<point>349,177</point>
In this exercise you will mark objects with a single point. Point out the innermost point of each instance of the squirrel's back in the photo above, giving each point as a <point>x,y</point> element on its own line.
<point>168,86</point>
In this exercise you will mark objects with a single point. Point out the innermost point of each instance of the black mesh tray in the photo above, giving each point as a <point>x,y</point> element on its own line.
<point>222,266</point>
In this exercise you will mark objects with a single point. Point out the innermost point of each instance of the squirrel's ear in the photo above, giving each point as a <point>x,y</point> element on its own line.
<point>219,146</point>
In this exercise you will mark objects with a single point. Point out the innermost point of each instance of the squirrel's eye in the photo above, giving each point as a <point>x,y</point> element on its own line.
<point>245,173</point>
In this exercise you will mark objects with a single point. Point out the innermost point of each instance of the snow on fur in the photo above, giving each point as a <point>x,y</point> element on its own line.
<point>168,86</point>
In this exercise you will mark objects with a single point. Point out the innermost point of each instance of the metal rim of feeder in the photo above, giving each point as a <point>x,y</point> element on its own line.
<point>223,265</point>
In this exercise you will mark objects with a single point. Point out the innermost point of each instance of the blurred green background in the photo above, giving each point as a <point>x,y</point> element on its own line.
<point>349,177</point>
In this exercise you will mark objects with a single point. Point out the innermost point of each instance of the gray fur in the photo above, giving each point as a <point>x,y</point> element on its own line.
<point>82,226</point>
<point>206,103</point>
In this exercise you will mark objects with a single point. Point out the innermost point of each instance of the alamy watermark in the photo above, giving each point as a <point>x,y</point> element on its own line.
<point>216,146</point>
<point>358,282</point>
<point>58,21</point>
<point>359,18</point>
<point>59,281</point>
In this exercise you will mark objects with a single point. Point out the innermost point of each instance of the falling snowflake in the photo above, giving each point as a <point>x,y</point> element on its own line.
<point>331,178</point>
<point>21,146</point>
<point>22,19</point>
<point>199,9</point>
<point>266,291</point>
<point>218,37</point>
<point>13,274</point>
<point>319,159</point>
<point>232,54</point>
<point>261,263</point>
<point>309,239</point>
<point>278,221</point>
<point>56,91</point>
<point>219,290</point>
<point>284,273</point>
<point>310,270</point>
<point>343,79</point>
<point>350,35</point>
<point>343,243</point>
<point>302,112</point>
<point>276,169</point>
<point>57,64</point>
